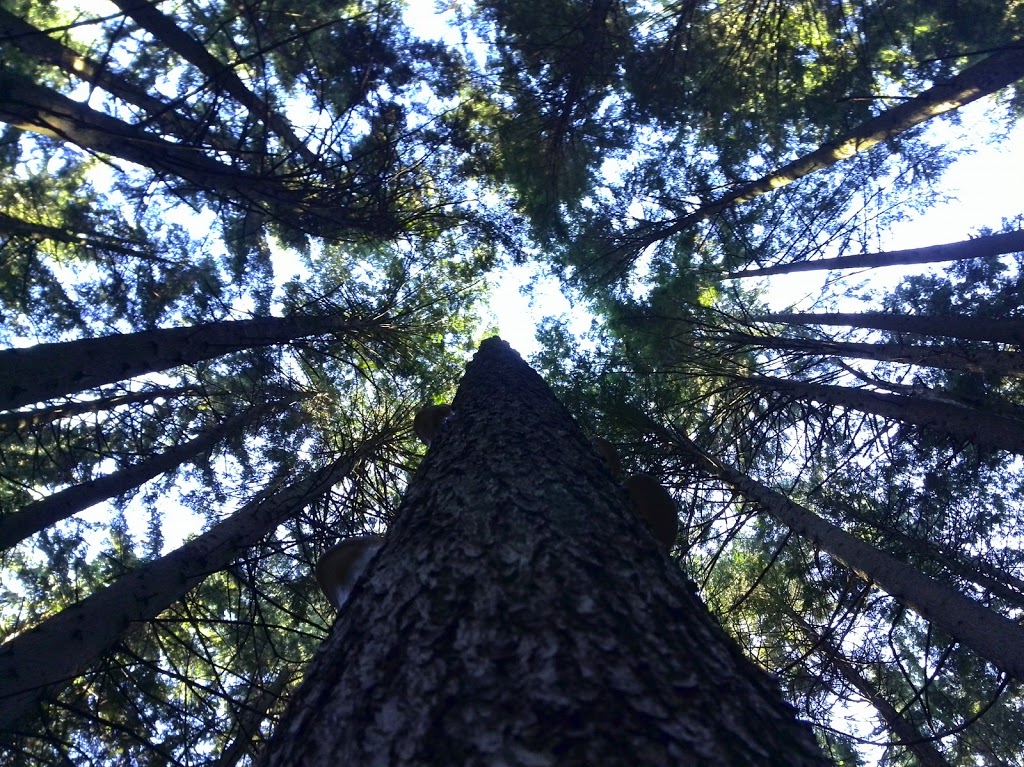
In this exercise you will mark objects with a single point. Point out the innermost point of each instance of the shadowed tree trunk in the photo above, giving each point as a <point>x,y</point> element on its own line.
<point>969,359</point>
<point>989,75</point>
<point>39,661</point>
<point>991,635</point>
<point>967,423</point>
<point>38,515</point>
<point>50,370</point>
<point>1005,331</point>
<point>18,420</point>
<point>519,613</point>
<point>992,245</point>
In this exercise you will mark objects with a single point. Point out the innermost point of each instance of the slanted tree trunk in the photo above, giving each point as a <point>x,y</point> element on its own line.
<point>38,662</point>
<point>967,423</point>
<point>992,636</point>
<point>19,420</point>
<point>979,247</point>
<point>989,75</point>
<point>170,117</point>
<point>922,747</point>
<point>1005,331</point>
<point>43,371</point>
<point>520,613</point>
<point>221,76</point>
<point>969,359</point>
<point>39,515</point>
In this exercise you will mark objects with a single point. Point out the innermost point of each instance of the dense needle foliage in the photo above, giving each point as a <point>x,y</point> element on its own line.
<point>193,163</point>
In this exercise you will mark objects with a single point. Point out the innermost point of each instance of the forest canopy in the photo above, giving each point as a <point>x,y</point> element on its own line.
<point>241,244</point>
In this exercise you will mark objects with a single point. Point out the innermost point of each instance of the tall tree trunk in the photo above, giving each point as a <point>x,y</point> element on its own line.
<point>970,424</point>
<point>37,232</point>
<point>995,638</point>
<point>987,76</point>
<point>37,662</point>
<point>1000,584</point>
<point>992,245</point>
<point>49,370</point>
<point>221,76</point>
<point>39,515</point>
<point>520,613</point>
<point>170,117</point>
<point>20,420</point>
<point>922,747</point>
<point>29,106</point>
<point>949,357</point>
<point>998,330</point>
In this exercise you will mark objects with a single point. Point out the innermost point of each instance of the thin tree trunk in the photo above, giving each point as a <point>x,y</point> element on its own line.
<point>221,76</point>
<point>995,638</point>
<point>520,613</point>
<point>1002,585</point>
<point>970,424</point>
<point>987,76</point>
<point>979,247</point>
<point>36,42</point>
<point>39,515</point>
<point>32,107</point>
<point>250,718</point>
<point>949,357</point>
<point>1003,330</point>
<point>38,662</point>
<point>50,370</point>
<point>922,747</point>
<point>20,420</point>
<point>37,232</point>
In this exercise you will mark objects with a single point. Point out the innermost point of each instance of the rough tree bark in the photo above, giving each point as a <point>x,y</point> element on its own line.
<point>49,370</point>
<point>520,614</point>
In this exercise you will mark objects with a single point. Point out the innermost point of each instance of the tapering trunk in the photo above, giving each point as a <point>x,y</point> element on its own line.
<point>20,420</point>
<point>39,515</point>
<point>39,232</point>
<point>948,357</point>
<point>40,372</point>
<point>221,76</point>
<point>38,662</point>
<point>989,634</point>
<point>979,247</point>
<point>966,423</point>
<point>989,75</point>
<point>520,613</point>
<point>38,43</point>
<point>922,747</point>
<point>1005,331</point>
<point>29,106</point>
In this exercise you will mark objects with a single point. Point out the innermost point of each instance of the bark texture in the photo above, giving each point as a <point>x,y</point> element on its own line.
<point>520,614</point>
<point>49,370</point>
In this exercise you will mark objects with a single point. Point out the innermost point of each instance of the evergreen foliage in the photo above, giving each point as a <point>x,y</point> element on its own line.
<point>242,243</point>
